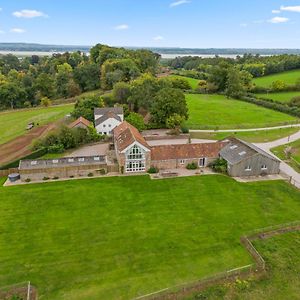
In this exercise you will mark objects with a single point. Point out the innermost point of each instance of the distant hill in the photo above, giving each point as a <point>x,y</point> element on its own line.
<point>183,51</point>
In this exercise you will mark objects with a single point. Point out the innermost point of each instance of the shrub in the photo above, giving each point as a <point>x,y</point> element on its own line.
<point>72,176</point>
<point>136,120</point>
<point>46,178</point>
<point>192,166</point>
<point>102,171</point>
<point>184,129</point>
<point>55,177</point>
<point>220,166</point>
<point>27,180</point>
<point>57,148</point>
<point>153,170</point>
<point>90,174</point>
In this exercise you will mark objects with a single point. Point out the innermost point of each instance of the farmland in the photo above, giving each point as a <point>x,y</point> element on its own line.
<point>288,78</point>
<point>13,123</point>
<point>101,239</point>
<point>259,136</point>
<point>284,97</point>
<point>216,111</point>
<point>283,264</point>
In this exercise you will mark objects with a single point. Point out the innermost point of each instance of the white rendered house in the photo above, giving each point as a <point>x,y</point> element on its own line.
<point>107,119</point>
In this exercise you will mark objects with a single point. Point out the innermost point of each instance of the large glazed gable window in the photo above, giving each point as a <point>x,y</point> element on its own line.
<point>135,159</point>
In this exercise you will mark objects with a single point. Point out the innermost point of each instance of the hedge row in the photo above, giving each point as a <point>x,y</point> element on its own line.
<point>33,155</point>
<point>269,103</point>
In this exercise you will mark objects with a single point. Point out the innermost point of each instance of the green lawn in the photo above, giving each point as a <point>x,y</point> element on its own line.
<point>192,81</point>
<point>259,136</point>
<point>281,254</point>
<point>13,123</point>
<point>280,97</point>
<point>121,237</point>
<point>294,160</point>
<point>216,111</point>
<point>289,78</point>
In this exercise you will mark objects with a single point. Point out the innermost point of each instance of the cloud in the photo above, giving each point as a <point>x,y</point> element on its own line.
<point>158,38</point>
<point>179,2</point>
<point>277,20</point>
<point>276,11</point>
<point>258,21</point>
<point>122,27</point>
<point>244,25</point>
<point>290,8</point>
<point>17,30</point>
<point>28,14</point>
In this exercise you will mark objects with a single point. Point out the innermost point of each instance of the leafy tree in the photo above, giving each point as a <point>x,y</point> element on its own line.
<point>167,102</point>
<point>175,121</point>
<point>235,86</point>
<point>295,101</point>
<point>278,85</point>
<point>87,76</point>
<point>84,107</point>
<point>136,120</point>
<point>44,84</point>
<point>121,92</point>
<point>180,83</point>
<point>11,95</point>
<point>45,101</point>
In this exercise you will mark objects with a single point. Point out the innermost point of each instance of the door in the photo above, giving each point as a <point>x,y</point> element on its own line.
<point>202,162</point>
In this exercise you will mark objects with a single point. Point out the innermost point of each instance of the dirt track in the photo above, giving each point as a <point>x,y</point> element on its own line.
<point>20,146</point>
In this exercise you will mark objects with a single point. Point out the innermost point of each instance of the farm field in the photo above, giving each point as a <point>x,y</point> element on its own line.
<point>259,136</point>
<point>216,111</point>
<point>192,81</point>
<point>284,97</point>
<point>282,282</point>
<point>13,123</point>
<point>122,237</point>
<point>294,160</point>
<point>289,77</point>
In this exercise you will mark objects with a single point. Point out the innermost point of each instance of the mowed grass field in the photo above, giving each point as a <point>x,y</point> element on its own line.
<point>289,77</point>
<point>13,123</point>
<point>216,111</point>
<point>192,81</point>
<point>123,237</point>
<point>281,254</point>
<point>284,97</point>
<point>259,136</point>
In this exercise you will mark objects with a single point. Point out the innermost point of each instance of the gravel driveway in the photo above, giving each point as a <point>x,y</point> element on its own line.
<point>91,150</point>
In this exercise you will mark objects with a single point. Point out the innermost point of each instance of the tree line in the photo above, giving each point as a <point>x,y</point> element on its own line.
<point>24,82</point>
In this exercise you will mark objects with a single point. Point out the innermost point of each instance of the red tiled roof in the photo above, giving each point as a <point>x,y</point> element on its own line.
<point>125,134</point>
<point>80,120</point>
<point>186,151</point>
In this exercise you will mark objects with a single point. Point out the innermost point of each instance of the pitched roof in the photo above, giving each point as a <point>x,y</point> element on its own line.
<point>186,151</point>
<point>125,134</point>
<point>118,110</point>
<point>107,116</point>
<point>80,120</point>
<point>238,150</point>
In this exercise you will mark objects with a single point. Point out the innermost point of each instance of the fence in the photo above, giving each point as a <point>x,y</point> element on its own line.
<point>258,268</point>
<point>23,290</point>
<point>6,172</point>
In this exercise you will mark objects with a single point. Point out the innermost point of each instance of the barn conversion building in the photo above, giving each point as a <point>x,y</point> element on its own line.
<point>245,159</point>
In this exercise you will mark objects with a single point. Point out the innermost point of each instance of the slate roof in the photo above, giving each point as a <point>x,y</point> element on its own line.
<point>107,116</point>
<point>238,150</point>
<point>80,120</point>
<point>125,134</point>
<point>102,111</point>
<point>30,164</point>
<point>187,151</point>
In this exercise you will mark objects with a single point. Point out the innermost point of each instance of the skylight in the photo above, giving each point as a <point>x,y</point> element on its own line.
<point>242,153</point>
<point>233,147</point>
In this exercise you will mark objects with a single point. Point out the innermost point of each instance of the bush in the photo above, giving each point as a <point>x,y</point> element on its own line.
<point>90,175</point>
<point>58,148</point>
<point>220,166</point>
<point>185,129</point>
<point>192,166</point>
<point>136,120</point>
<point>102,171</point>
<point>27,180</point>
<point>153,170</point>
<point>46,178</point>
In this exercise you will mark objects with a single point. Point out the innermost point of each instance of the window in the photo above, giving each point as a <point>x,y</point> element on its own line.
<point>248,168</point>
<point>233,147</point>
<point>81,159</point>
<point>71,160</point>
<point>34,162</point>
<point>104,125</point>
<point>242,153</point>
<point>135,166</point>
<point>182,161</point>
<point>135,153</point>
<point>97,158</point>
<point>264,167</point>
<point>109,125</point>
<point>55,161</point>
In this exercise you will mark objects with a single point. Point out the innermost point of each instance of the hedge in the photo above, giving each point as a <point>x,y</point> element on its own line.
<point>33,155</point>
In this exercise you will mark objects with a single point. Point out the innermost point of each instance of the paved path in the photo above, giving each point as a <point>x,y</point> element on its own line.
<point>284,167</point>
<point>249,129</point>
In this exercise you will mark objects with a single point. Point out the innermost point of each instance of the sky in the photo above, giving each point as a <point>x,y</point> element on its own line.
<point>153,23</point>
